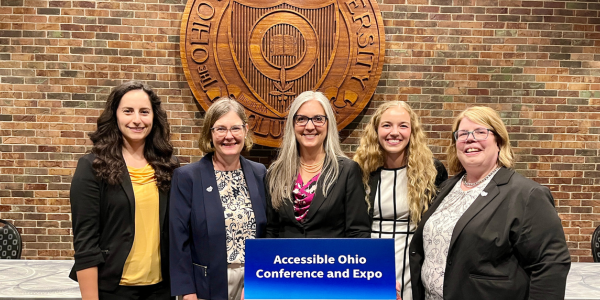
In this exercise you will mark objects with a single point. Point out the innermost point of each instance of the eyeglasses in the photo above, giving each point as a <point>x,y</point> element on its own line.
<point>318,120</point>
<point>221,131</point>
<point>479,134</point>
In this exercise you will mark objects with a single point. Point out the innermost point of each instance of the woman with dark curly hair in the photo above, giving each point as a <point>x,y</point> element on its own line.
<point>119,200</point>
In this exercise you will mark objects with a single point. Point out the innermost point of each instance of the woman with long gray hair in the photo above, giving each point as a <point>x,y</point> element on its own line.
<point>313,189</point>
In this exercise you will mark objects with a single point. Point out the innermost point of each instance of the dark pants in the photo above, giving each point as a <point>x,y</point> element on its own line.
<point>159,291</point>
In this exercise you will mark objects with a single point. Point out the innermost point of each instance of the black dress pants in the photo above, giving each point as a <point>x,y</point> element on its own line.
<point>159,291</point>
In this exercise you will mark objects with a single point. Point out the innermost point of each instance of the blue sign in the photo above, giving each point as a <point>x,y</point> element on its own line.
<point>320,269</point>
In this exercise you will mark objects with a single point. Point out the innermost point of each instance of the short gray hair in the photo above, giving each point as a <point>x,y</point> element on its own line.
<point>214,113</point>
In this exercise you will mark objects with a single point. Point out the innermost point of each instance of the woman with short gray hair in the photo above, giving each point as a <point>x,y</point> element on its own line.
<point>216,204</point>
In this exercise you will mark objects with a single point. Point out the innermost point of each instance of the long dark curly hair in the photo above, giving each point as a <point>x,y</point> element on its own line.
<point>108,140</point>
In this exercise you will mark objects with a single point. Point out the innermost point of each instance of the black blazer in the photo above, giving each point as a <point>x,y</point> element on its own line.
<point>509,244</point>
<point>197,227</point>
<point>104,224</point>
<point>342,214</point>
<point>441,176</point>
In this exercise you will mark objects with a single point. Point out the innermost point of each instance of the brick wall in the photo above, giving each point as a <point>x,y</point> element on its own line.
<point>535,61</point>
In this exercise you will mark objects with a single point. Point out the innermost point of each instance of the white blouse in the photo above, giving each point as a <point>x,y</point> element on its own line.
<point>391,219</point>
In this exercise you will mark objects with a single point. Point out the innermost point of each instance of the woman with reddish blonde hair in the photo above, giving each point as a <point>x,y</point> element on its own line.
<point>490,233</point>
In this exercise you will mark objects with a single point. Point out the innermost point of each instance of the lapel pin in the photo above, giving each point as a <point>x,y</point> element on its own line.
<point>484,193</point>
<point>209,189</point>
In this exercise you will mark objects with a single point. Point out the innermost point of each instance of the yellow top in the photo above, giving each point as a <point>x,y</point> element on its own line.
<point>143,263</point>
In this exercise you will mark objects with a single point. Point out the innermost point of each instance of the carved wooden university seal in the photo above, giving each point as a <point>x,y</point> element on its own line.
<point>264,53</point>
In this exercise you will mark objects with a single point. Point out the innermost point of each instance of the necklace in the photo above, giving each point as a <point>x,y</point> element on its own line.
<point>313,168</point>
<point>469,184</point>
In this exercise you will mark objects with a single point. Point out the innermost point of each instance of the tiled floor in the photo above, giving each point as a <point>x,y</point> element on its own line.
<point>47,279</point>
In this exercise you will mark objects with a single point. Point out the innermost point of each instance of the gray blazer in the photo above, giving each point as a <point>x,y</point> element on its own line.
<point>509,244</point>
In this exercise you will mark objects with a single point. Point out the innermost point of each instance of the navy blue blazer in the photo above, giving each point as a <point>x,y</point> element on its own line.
<point>198,253</point>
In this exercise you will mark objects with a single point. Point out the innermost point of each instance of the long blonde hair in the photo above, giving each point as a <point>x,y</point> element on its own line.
<point>420,169</point>
<point>489,118</point>
<point>282,173</point>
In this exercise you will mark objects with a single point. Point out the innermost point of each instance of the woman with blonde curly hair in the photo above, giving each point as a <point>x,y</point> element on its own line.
<point>401,177</point>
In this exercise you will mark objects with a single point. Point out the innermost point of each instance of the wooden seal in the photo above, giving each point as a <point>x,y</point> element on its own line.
<point>264,53</point>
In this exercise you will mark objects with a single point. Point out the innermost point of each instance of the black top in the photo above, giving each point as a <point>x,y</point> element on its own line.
<point>508,245</point>
<point>342,214</point>
<point>104,224</point>
<point>401,227</point>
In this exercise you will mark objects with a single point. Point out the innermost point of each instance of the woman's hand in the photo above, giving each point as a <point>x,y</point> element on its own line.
<point>398,290</point>
<point>190,297</point>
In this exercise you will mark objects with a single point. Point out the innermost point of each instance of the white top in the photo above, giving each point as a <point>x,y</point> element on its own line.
<point>437,234</point>
<point>391,219</point>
